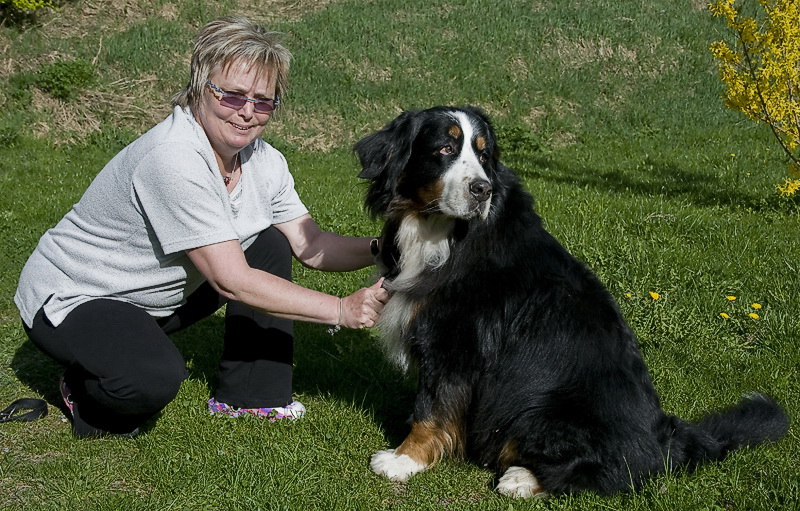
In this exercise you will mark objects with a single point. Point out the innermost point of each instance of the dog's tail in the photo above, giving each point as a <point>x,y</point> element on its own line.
<point>757,418</point>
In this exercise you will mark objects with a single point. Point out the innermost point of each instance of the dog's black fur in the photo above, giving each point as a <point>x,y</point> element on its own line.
<point>523,357</point>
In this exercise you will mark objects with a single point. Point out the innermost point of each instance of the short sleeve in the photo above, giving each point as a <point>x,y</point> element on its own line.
<point>278,184</point>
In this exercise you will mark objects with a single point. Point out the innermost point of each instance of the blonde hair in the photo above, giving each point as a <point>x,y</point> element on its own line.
<point>226,41</point>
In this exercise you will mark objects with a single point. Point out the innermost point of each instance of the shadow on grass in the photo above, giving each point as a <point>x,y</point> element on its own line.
<point>38,371</point>
<point>348,367</point>
<point>651,178</point>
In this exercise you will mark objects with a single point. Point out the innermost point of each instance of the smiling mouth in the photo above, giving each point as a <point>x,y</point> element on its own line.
<point>240,128</point>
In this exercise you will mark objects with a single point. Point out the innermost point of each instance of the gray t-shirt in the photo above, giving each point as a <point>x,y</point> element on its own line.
<point>160,196</point>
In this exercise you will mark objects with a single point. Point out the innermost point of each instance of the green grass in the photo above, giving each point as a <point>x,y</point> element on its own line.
<point>609,110</point>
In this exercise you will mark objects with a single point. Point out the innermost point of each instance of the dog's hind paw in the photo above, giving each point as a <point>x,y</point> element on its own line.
<point>398,468</point>
<point>520,483</point>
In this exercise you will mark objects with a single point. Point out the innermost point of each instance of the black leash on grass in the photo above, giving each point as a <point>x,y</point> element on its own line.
<point>37,408</point>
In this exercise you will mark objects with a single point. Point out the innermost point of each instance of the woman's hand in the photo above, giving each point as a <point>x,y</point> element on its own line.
<point>362,308</point>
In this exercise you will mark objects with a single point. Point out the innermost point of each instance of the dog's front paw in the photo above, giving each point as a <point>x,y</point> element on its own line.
<point>520,483</point>
<point>397,468</point>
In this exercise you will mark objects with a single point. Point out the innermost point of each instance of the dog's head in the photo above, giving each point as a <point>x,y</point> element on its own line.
<point>437,161</point>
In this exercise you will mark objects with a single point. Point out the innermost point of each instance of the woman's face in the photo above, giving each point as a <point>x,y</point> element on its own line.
<point>228,129</point>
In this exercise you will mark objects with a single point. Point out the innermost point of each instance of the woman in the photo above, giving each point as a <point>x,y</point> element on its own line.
<point>197,213</point>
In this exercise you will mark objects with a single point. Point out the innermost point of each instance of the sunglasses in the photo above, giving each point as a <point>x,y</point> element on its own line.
<point>237,101</point>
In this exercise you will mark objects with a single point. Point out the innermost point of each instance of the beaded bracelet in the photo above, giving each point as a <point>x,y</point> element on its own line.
<point>335,328</point>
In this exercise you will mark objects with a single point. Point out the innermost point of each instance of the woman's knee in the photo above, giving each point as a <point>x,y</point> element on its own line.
<point>140,391</point>
<point>272,253</point>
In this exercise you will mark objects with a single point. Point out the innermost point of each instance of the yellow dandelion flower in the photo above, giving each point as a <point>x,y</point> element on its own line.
<point>730,298</point>
<point>724,316</point>
<point>753,315</point>
<point>654,296</point>
<point>756,306</point>
<point>628,295</point>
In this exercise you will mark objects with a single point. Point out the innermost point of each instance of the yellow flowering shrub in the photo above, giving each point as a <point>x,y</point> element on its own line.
<point>26,5</point>
<point>762,70</point>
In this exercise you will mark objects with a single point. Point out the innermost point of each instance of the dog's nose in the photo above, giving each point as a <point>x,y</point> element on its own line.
<point>481,190</point>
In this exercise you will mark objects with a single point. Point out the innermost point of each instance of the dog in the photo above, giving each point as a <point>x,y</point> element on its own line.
<point>524,362</point>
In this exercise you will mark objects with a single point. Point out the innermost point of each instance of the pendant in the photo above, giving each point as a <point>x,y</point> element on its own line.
<point>227,180</point>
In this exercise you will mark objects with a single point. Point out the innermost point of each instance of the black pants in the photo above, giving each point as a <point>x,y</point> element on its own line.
<point>122,368</point>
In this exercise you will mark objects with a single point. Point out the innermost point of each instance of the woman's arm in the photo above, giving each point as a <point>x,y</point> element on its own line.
<point>323,250</point>
<point>225,268</point>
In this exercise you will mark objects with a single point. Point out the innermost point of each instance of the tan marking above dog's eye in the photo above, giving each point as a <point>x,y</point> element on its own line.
<point>448,149</point>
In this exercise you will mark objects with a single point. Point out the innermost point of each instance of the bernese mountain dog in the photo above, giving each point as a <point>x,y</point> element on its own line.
<point>524,362</point>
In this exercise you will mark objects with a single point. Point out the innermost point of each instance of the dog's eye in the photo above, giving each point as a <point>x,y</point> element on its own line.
<point>483,157</point>
<point>448,149</point>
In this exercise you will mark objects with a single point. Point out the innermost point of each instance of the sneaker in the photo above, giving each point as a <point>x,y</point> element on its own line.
<point>292,411</point>
<point>66,395</point>
<point>80,428</point>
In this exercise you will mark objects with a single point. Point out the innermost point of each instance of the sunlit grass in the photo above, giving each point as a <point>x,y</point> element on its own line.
<point>610,112</point>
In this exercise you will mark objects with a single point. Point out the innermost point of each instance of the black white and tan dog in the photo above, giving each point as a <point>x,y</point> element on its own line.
<point>524,362</point>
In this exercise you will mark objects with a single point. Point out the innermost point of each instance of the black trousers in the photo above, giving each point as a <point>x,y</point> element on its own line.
<point>122,368</point>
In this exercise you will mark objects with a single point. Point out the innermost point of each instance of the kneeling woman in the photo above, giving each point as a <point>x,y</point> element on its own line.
<point>197,213</point>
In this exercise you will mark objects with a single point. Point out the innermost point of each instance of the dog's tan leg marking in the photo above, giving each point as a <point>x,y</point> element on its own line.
<point>425,445</point>
<point>508,455</point>
<point>429,442</point>
<point>520,483</point>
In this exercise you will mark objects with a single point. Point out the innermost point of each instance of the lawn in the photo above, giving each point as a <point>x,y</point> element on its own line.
<point>610,111</point>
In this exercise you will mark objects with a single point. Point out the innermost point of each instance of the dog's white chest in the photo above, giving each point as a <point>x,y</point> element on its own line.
<point>424,244</point>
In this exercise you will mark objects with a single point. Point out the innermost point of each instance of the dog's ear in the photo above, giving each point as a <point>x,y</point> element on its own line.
<point>388,149</point>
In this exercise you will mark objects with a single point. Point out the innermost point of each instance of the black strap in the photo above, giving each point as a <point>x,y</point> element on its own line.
<point>37,409</point>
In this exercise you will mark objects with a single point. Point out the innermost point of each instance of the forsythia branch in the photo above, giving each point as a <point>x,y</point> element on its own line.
<point>762,73</point>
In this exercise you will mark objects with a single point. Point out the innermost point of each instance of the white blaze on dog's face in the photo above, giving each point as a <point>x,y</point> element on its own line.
<point>466,191</point>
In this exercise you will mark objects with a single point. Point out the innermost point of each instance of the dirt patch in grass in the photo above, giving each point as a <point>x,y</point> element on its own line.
<point>111,16</point>
<point>309,132</point>
<point>146,100</point>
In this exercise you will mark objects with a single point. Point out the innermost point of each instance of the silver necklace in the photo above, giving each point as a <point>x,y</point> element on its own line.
<point>227,179</point>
